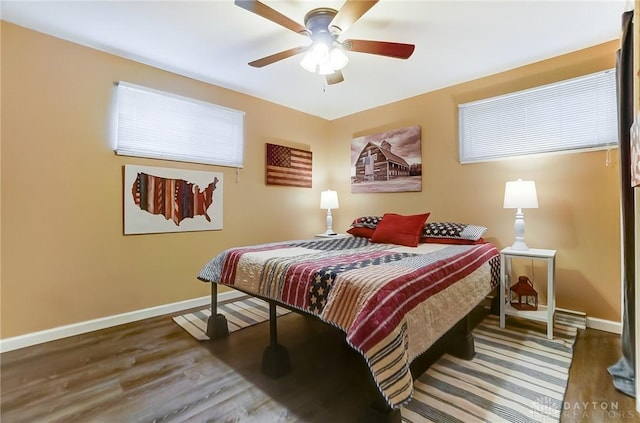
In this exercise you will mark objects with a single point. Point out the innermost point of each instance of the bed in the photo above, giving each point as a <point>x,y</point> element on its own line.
<point>392,301</point>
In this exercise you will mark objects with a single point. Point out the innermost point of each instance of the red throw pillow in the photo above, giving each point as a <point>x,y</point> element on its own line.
<point>399,229</point>
<point>363,232</point>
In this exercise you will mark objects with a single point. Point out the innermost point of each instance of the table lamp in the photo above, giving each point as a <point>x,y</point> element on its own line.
<point>520,195</point>
<point>329,200</point>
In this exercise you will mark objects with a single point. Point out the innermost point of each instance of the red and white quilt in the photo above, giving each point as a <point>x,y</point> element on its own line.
<point>393,302</point>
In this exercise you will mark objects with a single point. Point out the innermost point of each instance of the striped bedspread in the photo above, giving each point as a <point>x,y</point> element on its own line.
<point>393,302</point>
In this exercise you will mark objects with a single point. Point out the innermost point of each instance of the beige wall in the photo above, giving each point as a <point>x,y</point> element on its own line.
<point>578,193</point>
<point>64,257</point>
<point>65,260</point>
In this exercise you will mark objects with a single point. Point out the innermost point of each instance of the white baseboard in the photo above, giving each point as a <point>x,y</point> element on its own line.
<point>605,325</point>
<point>592,322</point>
<point>35,338</point>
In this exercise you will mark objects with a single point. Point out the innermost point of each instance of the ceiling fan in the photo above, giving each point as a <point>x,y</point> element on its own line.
<point>324,26</point>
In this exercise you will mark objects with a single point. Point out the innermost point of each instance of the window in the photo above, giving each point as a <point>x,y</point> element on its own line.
<point>570,115</point>
<point>161,125</point>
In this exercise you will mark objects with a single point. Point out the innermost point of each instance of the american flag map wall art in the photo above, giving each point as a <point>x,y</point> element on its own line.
<point>288,166</point>
<point>171,200</point>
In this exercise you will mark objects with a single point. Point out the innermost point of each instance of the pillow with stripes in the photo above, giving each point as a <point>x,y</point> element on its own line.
<point>453,231</point>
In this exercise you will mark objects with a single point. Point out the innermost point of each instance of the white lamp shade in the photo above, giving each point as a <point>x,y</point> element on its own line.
<point>338,59</point>
<point>329,199</point>
<point>324,68</point>
<point>317,54</point>
<point>520,195</point>
<point>309,63</point>
<point>324,59</point>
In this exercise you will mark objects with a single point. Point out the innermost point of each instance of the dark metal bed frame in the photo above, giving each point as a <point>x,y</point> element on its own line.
<point>458,341</point>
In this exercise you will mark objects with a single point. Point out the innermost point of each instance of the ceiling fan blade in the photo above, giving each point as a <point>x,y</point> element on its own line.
<point>350,12</point>
<point>334,78</point>
<point>381,48</point>
<point>277,57</point>
<point>266,12</point>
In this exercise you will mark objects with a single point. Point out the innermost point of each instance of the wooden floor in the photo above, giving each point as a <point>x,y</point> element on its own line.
<point>591,396</point>
<point>153,371</point>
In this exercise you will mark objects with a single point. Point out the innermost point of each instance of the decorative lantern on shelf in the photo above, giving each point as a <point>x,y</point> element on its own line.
<point>527,297</point>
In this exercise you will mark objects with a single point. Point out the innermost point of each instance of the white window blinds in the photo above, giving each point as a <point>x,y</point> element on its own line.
<point>574,114</point>
<point>165,126</point>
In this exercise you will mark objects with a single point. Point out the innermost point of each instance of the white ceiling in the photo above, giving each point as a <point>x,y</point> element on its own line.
<point>213,41</point>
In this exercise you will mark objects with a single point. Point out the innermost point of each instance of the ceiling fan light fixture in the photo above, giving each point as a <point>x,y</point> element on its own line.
<point>315,56</point>
<point>338,59</point>
<point>308,63</point>
<point>319,51</point>
<point>325,68</point>
<point>322,60</point>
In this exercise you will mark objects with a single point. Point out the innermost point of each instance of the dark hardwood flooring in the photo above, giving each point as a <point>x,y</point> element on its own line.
<point>153,371</point>
<point>591,396</point>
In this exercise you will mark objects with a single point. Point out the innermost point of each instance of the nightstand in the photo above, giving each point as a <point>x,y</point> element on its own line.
<point>331,236</point>
<point>543,313</point>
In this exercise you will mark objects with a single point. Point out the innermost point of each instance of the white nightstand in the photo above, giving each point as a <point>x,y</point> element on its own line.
<point>331,236</point>
<point>544,313</point>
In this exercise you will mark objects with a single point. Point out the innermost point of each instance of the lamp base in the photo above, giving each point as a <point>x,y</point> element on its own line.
<point>519,230</point>
<point>519,246</point>
<point>329,230</point>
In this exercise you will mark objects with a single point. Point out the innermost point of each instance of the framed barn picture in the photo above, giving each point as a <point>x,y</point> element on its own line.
<point>387,162</point>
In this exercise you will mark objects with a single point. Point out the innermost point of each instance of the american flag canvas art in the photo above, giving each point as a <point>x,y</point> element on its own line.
<point>288,166</point>
<point>158,200</point>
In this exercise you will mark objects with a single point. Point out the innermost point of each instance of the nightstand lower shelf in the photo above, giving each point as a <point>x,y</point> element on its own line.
<point>544,313</point>
<point>541,314</point>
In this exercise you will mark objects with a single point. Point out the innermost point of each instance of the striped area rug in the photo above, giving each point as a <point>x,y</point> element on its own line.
<point>517,375</point>
<point>240,313</point>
